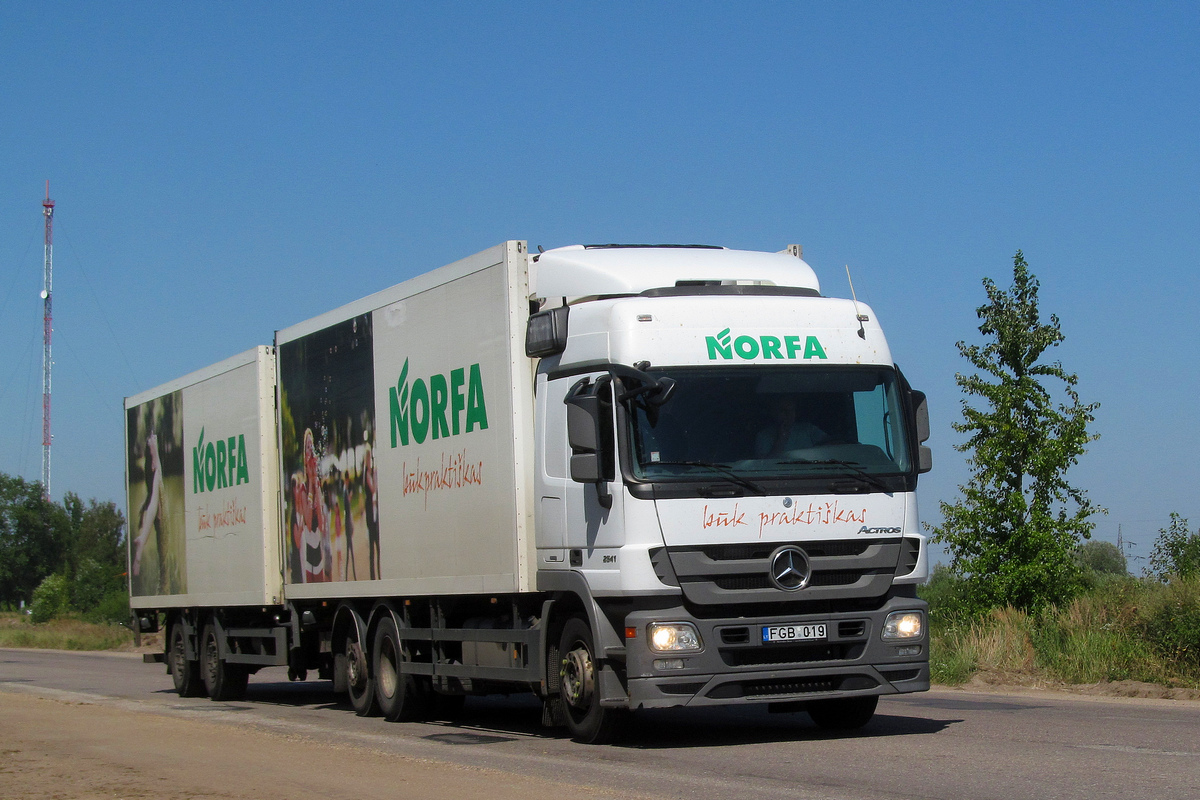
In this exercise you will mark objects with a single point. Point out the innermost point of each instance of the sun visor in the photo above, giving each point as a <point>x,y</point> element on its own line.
<point>587,271</point>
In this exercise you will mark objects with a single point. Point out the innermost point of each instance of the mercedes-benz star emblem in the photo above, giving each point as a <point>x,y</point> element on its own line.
<point>790,569</point>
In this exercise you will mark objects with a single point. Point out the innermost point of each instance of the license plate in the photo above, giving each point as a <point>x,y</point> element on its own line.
<point>794,633</point>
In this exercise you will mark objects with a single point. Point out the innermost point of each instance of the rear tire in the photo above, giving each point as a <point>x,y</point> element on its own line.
<point>398,694</point>
<point>844,713</point>
<point>224,681</point>
<point>579,687</point>
<point>184,674</point>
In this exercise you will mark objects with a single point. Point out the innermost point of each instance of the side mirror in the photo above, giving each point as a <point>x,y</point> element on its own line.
<point>920,423</point>
<point>590,435</point>
<point>583,435</point>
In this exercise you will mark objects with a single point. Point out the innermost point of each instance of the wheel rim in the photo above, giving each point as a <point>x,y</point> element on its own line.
<point>178,657</point>
<point>388,680</point>
<point>578,677</point>
<point>356,668</point>
<point>211,659</point>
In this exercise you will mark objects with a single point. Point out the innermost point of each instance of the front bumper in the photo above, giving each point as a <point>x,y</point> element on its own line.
<point>736,667</point>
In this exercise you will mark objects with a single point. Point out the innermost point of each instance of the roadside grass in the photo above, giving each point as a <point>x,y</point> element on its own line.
<point>1121,629</point>
<point>70,633</point>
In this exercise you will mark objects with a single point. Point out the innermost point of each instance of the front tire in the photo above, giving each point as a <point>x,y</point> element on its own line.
<point>844,713</point>
<point>579,687</point>
<point>224,681</point>
<point>398,693</point>
<point>184,674</point>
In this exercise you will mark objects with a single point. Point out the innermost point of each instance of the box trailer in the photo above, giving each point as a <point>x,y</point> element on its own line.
<point>620,477</point>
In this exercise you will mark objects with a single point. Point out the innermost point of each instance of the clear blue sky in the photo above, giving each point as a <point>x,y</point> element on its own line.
<point>222,170</point>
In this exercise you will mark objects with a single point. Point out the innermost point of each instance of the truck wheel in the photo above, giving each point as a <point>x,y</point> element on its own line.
<point>360,686</point>
<point>184,674</point>
<point>224,681</point>
<point>843,714</point>
<point>398,694</point>
<point>579,687</point>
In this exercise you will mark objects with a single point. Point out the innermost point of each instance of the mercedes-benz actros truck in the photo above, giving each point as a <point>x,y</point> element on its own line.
<point>621,477</point>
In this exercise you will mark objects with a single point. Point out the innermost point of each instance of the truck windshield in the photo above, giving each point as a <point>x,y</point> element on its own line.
<point>773,422</point>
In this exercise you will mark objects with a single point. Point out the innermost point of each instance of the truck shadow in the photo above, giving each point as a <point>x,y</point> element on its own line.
<point>732,727</point>
<point>494,719</point>
<point>484,719</point>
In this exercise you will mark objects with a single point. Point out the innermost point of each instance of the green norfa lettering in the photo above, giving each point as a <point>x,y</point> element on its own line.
<point>437,407</point>
<point>719,345</point>
<point>725,346</point>
<point>220,464</point>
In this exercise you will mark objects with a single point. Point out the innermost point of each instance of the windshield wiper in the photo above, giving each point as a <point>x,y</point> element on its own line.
<point>724,470</point>
<point>851,465</point>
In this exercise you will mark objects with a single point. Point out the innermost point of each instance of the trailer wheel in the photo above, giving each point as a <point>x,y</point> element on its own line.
<point>844,713</point>
<point>184,674</point>
<point>360,686</point>
<point>224,681</point>
<point>579,677</point>
<point>399,695</point>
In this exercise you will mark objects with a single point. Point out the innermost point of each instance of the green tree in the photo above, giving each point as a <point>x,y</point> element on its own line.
<point>95,553</point>
<point>33,531</point>
<point>1102,558</point>
<point>1176,550</point>
<point>81,544</point>
<point>1014,531</point>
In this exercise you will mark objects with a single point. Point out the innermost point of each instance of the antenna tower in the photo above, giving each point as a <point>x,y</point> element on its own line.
<point>48,212</point>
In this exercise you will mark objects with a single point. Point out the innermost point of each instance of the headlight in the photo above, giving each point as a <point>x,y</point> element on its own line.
<point>674,637</point>
<point>904,625</point>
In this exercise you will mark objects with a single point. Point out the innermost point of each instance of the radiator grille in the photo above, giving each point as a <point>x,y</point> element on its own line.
<point>739,573</point>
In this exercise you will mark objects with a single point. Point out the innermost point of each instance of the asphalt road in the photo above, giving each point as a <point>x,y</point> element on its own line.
<point>948,744</point>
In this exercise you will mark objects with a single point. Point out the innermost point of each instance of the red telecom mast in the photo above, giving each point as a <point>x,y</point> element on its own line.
<point>48,211</point>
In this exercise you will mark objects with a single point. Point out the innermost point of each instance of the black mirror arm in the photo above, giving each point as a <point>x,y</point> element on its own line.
<point>603,496</point>
<point>657,390</point>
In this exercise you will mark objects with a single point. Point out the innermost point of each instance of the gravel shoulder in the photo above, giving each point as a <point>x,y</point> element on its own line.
<point>64,745</point>
<point>62,749</point>
<point>1009,683</point>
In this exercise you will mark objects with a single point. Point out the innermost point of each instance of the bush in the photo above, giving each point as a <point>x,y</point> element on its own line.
<point>1171,623</point>
<point>61,634</point>
<point>948,595</point>
<point>112,609</point>
<point>1122,628</point>
<point>1095,638</point>
<point>51,599</point>
<point>97,593</point>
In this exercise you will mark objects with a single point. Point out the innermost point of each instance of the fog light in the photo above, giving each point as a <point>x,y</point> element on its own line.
<point>670,637</point>
<point>909,650</point>
<point>668,663</point>
<point>904,625</point>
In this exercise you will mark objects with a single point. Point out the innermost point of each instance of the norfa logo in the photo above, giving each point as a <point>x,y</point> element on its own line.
<point>724,345</point>
<point>219,464</point>
<point>438,407</point>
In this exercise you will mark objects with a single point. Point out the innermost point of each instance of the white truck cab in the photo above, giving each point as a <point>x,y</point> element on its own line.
<point>726,463</point>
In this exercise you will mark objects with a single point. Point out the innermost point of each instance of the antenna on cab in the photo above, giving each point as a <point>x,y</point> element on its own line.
<point>862,333</point>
